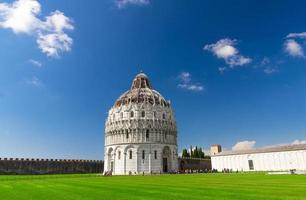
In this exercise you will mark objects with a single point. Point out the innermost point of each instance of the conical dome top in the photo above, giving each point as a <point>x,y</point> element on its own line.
<point>141,81</point>
<point>141,92</point>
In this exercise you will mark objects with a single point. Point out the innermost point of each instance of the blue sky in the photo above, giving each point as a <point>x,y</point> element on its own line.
<point>233,70</point>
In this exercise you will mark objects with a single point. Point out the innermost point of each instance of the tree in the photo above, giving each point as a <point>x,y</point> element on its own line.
<point>185,153</point>
<point>191,152</point>
<point>196,152</point>
<point>201,153</point>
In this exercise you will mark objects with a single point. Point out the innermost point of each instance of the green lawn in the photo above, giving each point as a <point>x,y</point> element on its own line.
<point>199,186</point>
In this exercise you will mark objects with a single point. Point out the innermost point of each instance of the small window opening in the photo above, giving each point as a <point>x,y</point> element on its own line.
<point>147,134</point>
<point>119,155</point>
<point>251,165</point>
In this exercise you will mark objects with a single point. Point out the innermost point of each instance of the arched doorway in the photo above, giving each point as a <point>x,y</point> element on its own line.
<point>182,165</point>
<point>166,162</point>
<point>111,164</point>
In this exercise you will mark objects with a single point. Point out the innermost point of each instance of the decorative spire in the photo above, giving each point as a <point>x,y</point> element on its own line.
<point>141,81</point>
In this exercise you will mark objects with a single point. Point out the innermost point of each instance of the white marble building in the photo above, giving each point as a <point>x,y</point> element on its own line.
<point>140,132</point>
<point>278,158</point>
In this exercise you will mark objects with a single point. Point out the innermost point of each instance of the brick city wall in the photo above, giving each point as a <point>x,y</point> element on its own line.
<point>49,166</point>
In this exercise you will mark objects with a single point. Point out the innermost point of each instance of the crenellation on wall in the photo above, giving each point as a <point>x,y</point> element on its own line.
<point>49,166</point>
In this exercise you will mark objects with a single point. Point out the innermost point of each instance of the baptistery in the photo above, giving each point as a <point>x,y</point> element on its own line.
<point>140,132</point>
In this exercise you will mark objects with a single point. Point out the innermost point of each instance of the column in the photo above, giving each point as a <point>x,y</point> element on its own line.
<point>114,165</point>
<point>124,163</point>
<point>150,161</point>
<point>105,162</point>
<point>136,162</point>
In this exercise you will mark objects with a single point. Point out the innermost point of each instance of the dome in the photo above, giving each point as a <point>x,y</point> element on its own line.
<point>141,92</point>
<point>140,132</point>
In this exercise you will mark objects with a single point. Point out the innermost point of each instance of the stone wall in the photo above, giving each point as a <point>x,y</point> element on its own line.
<point>65,166</point>
<point>49,166</point>
<point>197,164</point>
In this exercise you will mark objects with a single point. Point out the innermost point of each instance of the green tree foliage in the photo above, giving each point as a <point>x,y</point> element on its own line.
<point>191,152</point>
<point>185,153</point>
<point>194,153</point>
<point>201,153</point>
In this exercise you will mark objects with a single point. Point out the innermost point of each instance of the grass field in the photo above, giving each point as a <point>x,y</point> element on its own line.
<point>199,186</point>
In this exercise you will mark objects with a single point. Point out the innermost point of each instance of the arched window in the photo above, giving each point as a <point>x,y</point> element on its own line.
<point>143,154</point>
<point>143,114</point>
<point>131,154</point>
<point>119,155</point>
<point>131,114</point>
<point>154,114</point>
<point>127,135</point>
<point>147,134</point>
<point>155,154</point>
<point>164,116</point>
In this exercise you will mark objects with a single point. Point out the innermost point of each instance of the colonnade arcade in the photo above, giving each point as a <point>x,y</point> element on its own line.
<point>138,154</point>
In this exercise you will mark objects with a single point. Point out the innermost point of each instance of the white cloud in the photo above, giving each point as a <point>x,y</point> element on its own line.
<point>269,68</point>
<point>297,35</point>
<point>247,145</point>
<point>58,22</point>
<point>124,3</point>
<point>196,87</point>
<point>238,60</point>
<point>295,142</point>
<point>265,61</point>
<point>244,145</point>
<point>192,87</point>
<point>299,142</point>
<point>21,16</point>
<point>185,79</point>
<point>36,63</point>
<point>222,69</point>
<point>53,43</point>
<point>35,82</point>
<point>225,49</point>
<point>293,48</point>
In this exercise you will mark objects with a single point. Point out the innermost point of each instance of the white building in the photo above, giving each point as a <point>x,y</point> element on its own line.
<point>140,132</point>
<point>278,158</point>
